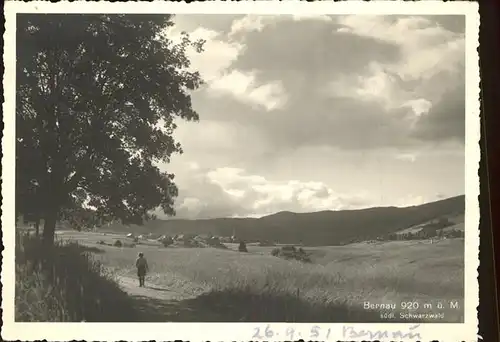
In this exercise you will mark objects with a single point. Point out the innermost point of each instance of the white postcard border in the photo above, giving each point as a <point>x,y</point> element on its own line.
<point>466,331</point>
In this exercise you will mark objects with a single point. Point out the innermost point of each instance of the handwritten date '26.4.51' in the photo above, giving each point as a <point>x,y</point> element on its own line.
<point>291,333</point>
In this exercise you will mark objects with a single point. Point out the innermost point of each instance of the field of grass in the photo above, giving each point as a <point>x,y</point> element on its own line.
<point>256,286</point>
<point>65,283</point>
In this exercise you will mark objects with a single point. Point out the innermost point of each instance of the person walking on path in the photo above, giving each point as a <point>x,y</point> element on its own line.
<point>142,268</point>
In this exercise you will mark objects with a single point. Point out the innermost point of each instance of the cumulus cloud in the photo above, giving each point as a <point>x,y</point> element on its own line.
<point>305,46</point>
<point>251,22</point>
<point>305,113</point>
<point>375,84</point>
<point>215,22</point>
<point>414,200</point>
<point>214,66</point>
<point>217,56</point>
<point>212,143</point>
<point>429,54</point>
<point>230,192</point>
<point>325,74</point>
<point>242,85</point>
<point>423,44</point>
<point>445,120</point>
<point>411,157</point>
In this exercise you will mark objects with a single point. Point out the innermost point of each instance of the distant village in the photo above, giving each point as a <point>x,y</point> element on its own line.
<point>439,229</point>
<point>186,240</point>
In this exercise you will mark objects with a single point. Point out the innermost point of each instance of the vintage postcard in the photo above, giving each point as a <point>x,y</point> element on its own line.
<point>226,171</point>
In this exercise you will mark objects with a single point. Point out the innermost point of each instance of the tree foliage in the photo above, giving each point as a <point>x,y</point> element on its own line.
<point>97,98</point>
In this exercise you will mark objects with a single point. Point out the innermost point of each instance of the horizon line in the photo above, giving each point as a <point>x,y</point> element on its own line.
<point>172,218</point>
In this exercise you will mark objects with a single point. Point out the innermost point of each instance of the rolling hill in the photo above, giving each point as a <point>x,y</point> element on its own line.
<point>312,229</point>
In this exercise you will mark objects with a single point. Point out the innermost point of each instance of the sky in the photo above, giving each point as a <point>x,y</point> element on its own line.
<point>310,113</point>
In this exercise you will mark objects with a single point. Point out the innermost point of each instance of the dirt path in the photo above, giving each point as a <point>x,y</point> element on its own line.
<point>156,303</point>
<point>131,286</point>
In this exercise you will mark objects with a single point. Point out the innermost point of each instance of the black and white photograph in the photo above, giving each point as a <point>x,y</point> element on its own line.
<point>250,166</point>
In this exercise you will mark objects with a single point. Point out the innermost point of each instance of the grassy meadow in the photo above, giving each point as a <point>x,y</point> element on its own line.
<point>66,283</point>
<point>256,286</point>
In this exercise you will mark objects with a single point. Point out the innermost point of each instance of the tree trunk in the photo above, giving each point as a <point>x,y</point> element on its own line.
<point>49,228</point>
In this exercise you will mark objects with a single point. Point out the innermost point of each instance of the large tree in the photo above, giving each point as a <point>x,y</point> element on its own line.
<point>97,98</point>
